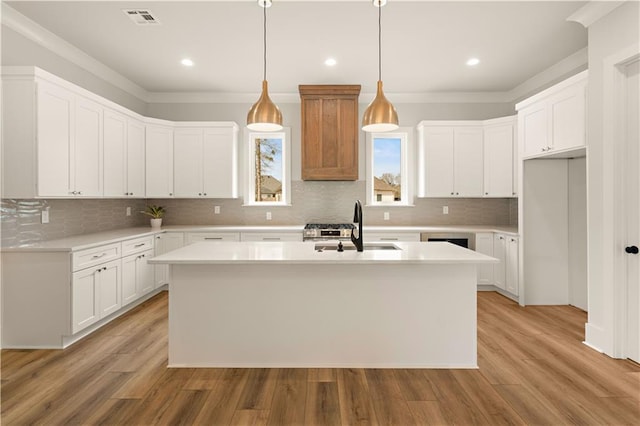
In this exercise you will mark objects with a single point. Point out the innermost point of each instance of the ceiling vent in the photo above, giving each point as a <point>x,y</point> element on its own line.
<point>141,16</point>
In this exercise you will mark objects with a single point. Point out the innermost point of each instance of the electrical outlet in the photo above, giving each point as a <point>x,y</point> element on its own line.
<point>268,215</point>
<point>216,209</point>
<point>44,215</point>
<point>385,215</point>
<point>445,209</point>
<point>128,211</point>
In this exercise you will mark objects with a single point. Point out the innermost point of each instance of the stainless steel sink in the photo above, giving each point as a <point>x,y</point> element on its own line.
<point>371,246</point>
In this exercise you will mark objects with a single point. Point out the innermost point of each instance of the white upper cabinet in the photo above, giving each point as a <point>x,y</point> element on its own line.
<point>86,171</point>
<point>123,156</point>
<point>159,161</point>
<point>205,160</point>
<point>450,159</point>
<point>553,121</point>
<point>499,158</point>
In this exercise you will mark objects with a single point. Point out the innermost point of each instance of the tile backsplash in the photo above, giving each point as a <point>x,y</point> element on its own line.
<point>328,202</point>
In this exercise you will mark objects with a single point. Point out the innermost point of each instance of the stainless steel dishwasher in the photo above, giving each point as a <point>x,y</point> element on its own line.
<point>463,239</point>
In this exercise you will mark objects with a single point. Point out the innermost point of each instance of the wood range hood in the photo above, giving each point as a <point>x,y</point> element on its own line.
<point>329,132</point>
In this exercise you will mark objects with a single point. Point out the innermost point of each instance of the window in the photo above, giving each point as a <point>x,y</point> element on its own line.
<point>269,166</point>
<point>388,174</point>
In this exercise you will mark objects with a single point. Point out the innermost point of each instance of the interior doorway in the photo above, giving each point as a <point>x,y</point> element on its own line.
<point>631,102</point>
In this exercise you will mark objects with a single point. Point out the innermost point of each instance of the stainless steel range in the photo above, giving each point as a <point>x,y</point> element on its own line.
<point>327,231</point>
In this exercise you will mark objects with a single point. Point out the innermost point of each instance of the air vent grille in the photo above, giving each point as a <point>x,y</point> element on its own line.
<point>141,16</point>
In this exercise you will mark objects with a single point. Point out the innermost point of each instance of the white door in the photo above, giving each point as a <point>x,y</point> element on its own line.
<point>187,155</point>
<point>484,245</point>
<point>144,278</point>
<point>115,137</point>
<point>533,130</point>
<point>164,244</point>
<point>500,253</point>
<point>55,112</point>
<point>87,152</point>
<point>129,275</point>
<point>109,288</point>
<point>498,161</point>
<point>84,298</point>
<point>159,162</point>
<point>633,209</point>
<point>438,162</point>
<point>467,162</point>
<point>219,156</point>
<point>135,159</point>
<point>511,266</point>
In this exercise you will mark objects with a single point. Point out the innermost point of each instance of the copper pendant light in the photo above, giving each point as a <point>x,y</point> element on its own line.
<point>264,115</point>
<point>380,115</point>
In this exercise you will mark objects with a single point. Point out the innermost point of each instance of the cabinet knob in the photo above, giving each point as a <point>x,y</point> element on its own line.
<point>486,193</point>
<point>171,194</point>
<point>205,193</point>
<point>199,193</point>
<point>131,193</point>
<point>457,193</point>
<point>631,249</point>
<point>452,193</point>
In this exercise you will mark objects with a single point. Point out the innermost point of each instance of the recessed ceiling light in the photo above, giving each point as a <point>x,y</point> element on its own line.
<point>330,62</point>
<point>187,62</point>
<point>472,62</point>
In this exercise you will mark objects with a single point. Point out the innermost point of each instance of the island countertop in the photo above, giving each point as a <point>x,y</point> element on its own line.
<point>306,253</point>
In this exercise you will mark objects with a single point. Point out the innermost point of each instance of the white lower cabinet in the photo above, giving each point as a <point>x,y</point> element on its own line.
<point>500,253</point>
<point>196,237</point>
<point>95,293</point>
<point>511,269</point>
<point>390,236</point>
<point>164,244</point>
<point>484,245</point>
<point>271,236</point>
<point>137,276</point>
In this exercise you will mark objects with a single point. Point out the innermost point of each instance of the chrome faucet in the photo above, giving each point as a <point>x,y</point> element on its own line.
<point>357,218</point>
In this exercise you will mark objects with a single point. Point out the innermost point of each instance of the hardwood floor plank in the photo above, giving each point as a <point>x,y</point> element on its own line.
<point>534,369</point>
<point>259,390</point>
<point>388,401</point>
<point>323,404</point>
<point>356,407</point>
<point>289,398</point>
<point>220,406</point>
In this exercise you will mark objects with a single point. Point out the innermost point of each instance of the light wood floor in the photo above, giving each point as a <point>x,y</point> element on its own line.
<point>533,370</point>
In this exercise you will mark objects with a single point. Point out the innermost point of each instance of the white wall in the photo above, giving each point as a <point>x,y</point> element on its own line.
<point>613,33</point>
<point>577,222</point>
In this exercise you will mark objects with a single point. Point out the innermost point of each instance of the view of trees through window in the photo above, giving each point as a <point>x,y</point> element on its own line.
<point>387,163</point>
<point>268,169</point>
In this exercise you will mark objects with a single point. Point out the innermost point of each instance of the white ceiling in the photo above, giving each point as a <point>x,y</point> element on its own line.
<point>425,43</point>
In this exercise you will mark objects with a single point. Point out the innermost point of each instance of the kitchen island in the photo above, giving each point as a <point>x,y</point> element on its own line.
<point>285,304</point>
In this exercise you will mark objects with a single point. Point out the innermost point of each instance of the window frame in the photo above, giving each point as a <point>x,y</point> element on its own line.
<point>405,134</point>
<point>249,196</point>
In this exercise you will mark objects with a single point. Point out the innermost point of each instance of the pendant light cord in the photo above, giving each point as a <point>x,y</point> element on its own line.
<point>264,46</point>
<point>379,41</point>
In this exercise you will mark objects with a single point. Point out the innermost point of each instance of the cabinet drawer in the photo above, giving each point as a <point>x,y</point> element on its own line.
<point>93,256</point>
<point>137,245</point>
<point>195,237</point>
<point>395,236</point>
<point>271,236</point>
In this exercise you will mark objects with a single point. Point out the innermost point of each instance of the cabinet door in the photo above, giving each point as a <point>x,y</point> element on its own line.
<point>87,152</point>
<point>115,140</point>
<point>55,112</point>
<point>511,279</point>
<point>196,237</point>
<point>391,236</point>
<point>129,275</point>
<point>533,130</point>
<point>159,161</point>
<point>498,161</point>
<point>84,298</point>
<point>437,162</point>
<point>220,159</point>
<point>187,156</point>
<point>109,288</point>
<point>499,252</point>
<point>484,245</point>
<point>164,244</point>
<point>271,236</point>
<point>135,159</point>
<point>144,271</point>
<point>567,115</point>
<point>467,162</point>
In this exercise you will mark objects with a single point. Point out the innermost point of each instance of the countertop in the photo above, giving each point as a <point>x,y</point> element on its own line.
<point>81,242</point>
<point>206,253</point>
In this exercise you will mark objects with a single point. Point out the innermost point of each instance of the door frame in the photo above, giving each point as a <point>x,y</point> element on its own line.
<point>614,130</point>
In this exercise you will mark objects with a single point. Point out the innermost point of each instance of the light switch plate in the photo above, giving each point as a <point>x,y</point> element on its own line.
<point>128,211</point>
<point>268,215</point>
<point>385,215</point>
<point>445,209</point>
<point>216,209</point>
<point>45,215</point>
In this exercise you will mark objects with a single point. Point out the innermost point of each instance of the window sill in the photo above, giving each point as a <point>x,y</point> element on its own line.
<point>266,204</point>
<point>389,205</point>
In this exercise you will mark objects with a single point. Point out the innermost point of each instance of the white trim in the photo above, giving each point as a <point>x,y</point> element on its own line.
<point>406,171</point>
<point>249,177</point>
<point>593,12</point>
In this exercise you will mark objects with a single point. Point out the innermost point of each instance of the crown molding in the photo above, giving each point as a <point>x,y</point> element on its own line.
<point>45,38</point>
<point>593,11</point>
<point>36,33</point>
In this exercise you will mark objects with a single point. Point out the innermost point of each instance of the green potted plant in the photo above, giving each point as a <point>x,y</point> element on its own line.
<point>156,213</point>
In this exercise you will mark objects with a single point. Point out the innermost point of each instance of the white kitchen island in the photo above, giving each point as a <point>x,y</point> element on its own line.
<point>284,304</point>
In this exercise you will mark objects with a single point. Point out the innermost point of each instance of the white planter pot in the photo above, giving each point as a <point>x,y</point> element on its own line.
<point>156,223</point>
